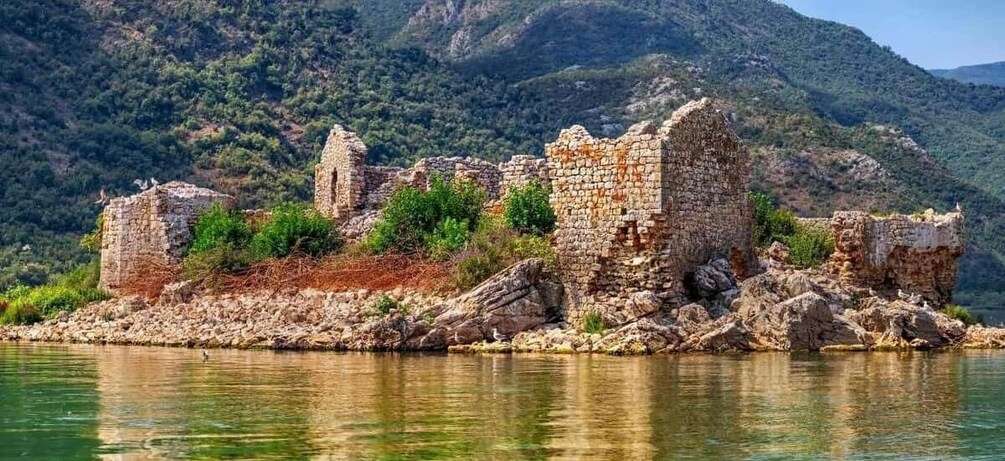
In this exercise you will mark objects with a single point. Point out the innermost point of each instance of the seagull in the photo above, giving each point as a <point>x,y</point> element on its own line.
<point>457,340</point>
<point>872,292</point>
<point>143,185</point>
<point>154,182</point>
<point>205,355</point>
<point>26,248</point>
<point>916,299</point>
<point>959,209</point>
<point>102,198</point>
<point>926,306</point>
<point>902,295</point>
<point>498,336</point>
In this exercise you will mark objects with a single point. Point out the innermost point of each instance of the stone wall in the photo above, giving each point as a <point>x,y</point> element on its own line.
<point>150,228</point>
<point>339,179</point>
<point>345,187</point>
<point>638,213</point>
<point>915,253</point>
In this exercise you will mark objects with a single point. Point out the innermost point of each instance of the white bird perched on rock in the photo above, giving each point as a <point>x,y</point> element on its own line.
<point>154,182</point>
<point>926,306</point>
<point>102,198</point>
<point>872,292</point>
<point>143,185</point>
<point>498,336</point>
<point>959,209</point>
<point>902,295</point>
<point>916,299</point>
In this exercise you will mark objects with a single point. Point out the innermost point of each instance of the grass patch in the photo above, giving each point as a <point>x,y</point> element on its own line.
<point>71,291</point>
<point>593,323</point>
<point>957,312</point>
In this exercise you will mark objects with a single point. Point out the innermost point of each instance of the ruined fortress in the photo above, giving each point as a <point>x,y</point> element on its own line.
<point>637,215</point>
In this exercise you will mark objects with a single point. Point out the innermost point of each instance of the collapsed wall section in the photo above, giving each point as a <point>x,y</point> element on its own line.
<point>149,229</point>
<point>640,212</point>
<point>916,254</point>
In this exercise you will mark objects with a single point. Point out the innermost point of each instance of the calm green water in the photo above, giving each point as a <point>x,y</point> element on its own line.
<point>79,402</point>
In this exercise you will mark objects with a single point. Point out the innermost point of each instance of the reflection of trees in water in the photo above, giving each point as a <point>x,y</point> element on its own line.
<point>527,406</point>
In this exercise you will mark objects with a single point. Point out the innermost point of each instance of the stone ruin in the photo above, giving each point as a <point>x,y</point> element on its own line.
<point>149,229</point>
<point>915,253</point>
<point>643,219</point>
<point>637,214</point>
<point>346,187</point>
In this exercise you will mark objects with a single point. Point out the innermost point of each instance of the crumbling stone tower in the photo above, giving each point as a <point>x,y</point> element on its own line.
<point>152,228</point>
<point>638,213</point>
<point>915,253</point>
<point>339,179</point>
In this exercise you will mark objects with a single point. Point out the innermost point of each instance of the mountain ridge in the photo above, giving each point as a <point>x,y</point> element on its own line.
<point>992,73</point>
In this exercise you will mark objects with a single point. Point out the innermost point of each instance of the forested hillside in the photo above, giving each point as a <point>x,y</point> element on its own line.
<point>239,95</point>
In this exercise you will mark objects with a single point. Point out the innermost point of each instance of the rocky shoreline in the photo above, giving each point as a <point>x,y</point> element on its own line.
<point>781,310</point>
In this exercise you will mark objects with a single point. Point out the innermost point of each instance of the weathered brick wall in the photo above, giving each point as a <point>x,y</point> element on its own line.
<point>150,228</point>
<point>339,179</point>
<point>486,174</point>
<point>637,213</point>
<point>914,253</point>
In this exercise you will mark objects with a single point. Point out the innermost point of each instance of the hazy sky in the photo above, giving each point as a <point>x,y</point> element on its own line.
<point>933,34</point>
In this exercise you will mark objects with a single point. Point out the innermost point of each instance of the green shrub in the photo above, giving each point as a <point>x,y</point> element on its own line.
<point>18,312</point>
<point>385,304</point>
<point>225,259</point>
<point>594,323</point>
<point>809,246</point>
<point>957,312</point>
<point>411,216</point>
<point>527,209</point>
<point>771,224</point>
<point>449,236</point>
<point>295,229</point>
<point>91,241</point>
<point>49,300</point>
<point>532,246</point>
<point>219,227</point>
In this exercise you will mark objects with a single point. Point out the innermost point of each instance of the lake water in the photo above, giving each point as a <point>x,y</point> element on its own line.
<point>80,402</point>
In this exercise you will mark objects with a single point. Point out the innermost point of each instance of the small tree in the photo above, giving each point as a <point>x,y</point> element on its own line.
<point>411,217</point>
<point>527,209</point>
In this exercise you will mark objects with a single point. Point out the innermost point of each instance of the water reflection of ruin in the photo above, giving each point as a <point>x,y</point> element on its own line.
<point>157,402</point>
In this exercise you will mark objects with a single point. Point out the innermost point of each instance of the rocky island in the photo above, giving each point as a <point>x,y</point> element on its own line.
<point>654,251</point>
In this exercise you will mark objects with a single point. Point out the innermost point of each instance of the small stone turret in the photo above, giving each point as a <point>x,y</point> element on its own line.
<point>916,254</point>
<point>339,179</point>
<point>153,227</point>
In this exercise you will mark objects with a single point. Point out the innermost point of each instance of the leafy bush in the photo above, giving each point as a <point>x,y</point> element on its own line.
<point>225,259</point>
<point>385,304</point>
<point>91,241</point>
<point>218,228</point>
<point>809,246</point>
<point>18,312</point>
<point>22,304</point>
<point>957,312</point>
<point>594,323</point>
<point>449,236</point>
<point>494,247</point>
<point>527,209</point>
<point>295,229</point>
<point>771,224</point>
<point>411,216</point>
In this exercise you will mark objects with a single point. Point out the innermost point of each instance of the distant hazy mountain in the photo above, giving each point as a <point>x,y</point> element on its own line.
<point>990,74</point>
